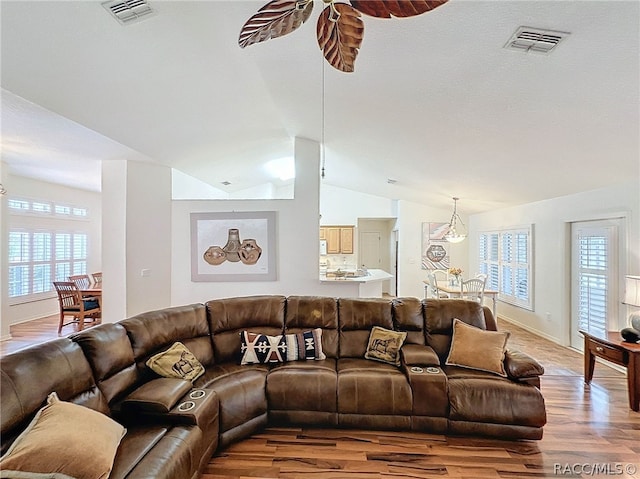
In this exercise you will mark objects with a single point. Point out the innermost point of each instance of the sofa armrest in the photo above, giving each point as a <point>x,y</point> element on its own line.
<point>419,355</point>
<point>158,396</point>
<point>519,365</point>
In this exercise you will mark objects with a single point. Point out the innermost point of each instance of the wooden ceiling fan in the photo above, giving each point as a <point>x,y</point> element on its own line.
<point>340,28</point>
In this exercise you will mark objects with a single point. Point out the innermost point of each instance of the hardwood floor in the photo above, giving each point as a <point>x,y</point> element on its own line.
<point>36,331</point>
<point>588,427</point>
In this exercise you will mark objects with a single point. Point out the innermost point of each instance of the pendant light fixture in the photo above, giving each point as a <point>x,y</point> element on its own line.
<point>457,231</point>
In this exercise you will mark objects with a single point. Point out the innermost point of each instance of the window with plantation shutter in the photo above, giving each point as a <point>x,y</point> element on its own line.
<point>37,258</point>
<point>505,257</point>
<point>592,311</point>
<point>47,242</point>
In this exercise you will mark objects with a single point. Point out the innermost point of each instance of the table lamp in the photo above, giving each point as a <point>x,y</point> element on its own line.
<point>632,298</point>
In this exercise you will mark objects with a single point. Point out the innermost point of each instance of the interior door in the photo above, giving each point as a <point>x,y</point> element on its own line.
<point>594,278</point>
<point>370,249</point>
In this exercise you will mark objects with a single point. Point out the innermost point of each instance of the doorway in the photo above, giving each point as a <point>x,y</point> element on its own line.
<point>376,248</point>
<point>595,273</point>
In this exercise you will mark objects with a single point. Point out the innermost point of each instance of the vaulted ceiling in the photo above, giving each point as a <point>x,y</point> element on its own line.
<point>436,102</point>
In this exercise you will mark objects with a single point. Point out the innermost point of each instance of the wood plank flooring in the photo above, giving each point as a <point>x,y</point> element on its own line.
<point>588,426</point>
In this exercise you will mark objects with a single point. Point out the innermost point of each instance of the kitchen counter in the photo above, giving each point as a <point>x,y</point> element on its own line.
<point>369,286</point>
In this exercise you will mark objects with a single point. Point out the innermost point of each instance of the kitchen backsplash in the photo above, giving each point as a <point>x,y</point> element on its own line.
<point>343,261</point>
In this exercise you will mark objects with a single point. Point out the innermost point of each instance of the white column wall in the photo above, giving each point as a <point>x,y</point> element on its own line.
<point>137,225</point>
<point>114,251</point>
<point>297,230</point>
<point>148,237</point>
<point>4,270</point>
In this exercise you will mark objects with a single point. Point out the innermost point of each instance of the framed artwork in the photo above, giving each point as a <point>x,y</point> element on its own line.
<point>233,246</point>
<point>435,249</point>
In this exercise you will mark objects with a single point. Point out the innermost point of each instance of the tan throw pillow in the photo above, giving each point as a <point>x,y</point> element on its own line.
<point>384,345</point>
<point>176,362</point>
<point>64,441</point>
<point>476,348</point>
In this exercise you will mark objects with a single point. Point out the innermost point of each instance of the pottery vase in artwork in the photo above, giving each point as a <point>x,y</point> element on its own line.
<point>250,252</point>
<point>232,248</point>
<point>215,255</point>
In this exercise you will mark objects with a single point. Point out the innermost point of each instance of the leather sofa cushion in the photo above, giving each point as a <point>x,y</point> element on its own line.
<point>159,453</point>
<point>241,391</point>
<point>229,317</point>
<point>109,351</point>
<point>492,399</point>
<point>356,318</point>
<point>303,386</point>
<point>309,312</point>
<point>418,355</point>
<point>155,331</point>
<point>408,317</point>
<point>520,365</point>
<point>369,387</point>
<point>107,348</point>
<point>156,396</point>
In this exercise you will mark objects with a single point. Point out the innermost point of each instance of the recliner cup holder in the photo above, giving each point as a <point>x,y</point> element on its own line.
<point>186,406</point>
<point>197,394</point>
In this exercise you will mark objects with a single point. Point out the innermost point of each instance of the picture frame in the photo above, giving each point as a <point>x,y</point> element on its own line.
<point>435,248</point>
<point>233,246</point>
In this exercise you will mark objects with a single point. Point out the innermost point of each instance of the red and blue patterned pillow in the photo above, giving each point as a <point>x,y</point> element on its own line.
<point>261,349</point>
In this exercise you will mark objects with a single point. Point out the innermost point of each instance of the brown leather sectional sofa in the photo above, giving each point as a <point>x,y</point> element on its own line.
<point>104,368</point>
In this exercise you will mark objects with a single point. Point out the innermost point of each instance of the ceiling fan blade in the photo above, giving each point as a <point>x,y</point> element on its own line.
<point>395,8</point>
<point>275,19</point>
<point>340,30</point>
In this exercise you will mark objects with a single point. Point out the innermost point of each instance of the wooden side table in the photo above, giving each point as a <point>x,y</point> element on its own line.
<point>614,349</point>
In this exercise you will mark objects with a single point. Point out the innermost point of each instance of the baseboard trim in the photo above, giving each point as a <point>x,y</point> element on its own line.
<point>5,337</point>
<point>528,328</point>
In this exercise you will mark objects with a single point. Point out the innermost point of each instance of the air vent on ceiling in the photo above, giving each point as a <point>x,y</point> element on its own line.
<point>128,11</point>
<point>527,39</point>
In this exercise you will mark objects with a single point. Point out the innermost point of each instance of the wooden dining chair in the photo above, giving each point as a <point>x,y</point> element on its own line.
<point>82,281</point>
<point>97,278</point>
<point>432,288</point>
<point>473,289</point>
<point>73,304</point>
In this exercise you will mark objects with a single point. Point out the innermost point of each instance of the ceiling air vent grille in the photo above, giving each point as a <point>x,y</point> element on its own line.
<point>128,11</point>
<point>527,39</point>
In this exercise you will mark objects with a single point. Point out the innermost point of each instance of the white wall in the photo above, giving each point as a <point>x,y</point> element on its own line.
<point>339,206</point>
<point>551,219</point>
<point>409,225</point>
<point>297,232</point>
<point>148,237</point>
<point>137,226</point>
<point>22,187</point>
<point>4,270</point>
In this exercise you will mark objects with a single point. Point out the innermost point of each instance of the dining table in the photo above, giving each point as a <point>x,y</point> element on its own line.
<point>94,290</point>
<point>454,292</point>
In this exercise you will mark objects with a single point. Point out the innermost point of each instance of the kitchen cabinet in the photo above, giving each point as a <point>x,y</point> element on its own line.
<point>339,239</point>
<point>346,240</point>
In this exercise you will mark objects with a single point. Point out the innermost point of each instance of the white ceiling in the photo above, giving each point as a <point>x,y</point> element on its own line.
<point>435,103</point>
